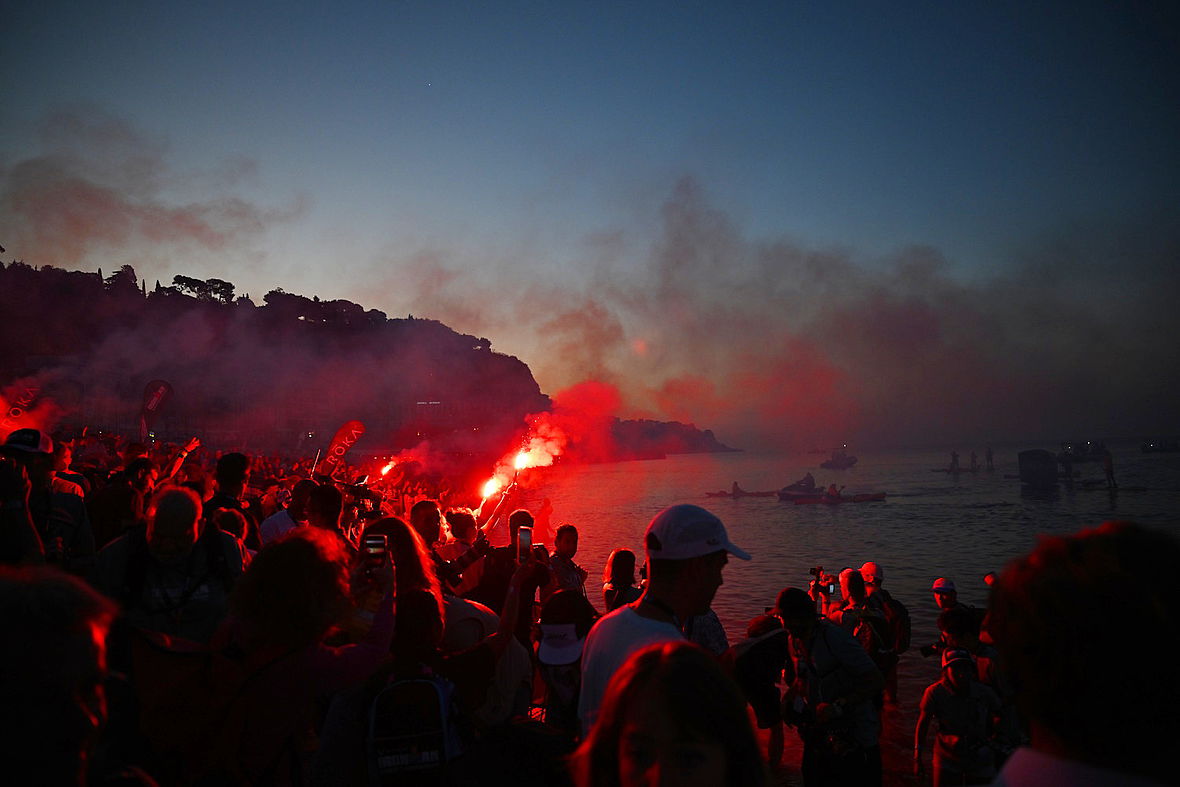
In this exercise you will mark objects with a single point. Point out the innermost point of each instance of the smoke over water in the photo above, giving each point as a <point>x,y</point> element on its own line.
<point>772,344</point>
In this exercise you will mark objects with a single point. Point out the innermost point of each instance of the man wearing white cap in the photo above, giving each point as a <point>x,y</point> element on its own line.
<point>687,548</point>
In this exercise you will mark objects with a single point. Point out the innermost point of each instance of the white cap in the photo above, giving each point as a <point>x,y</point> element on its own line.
<point>559,644</point>
<point>686,531</point>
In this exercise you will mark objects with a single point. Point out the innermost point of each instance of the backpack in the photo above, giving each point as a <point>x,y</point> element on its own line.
<point>874,635</point>
<point>898,618</point>
<point>414,728</point>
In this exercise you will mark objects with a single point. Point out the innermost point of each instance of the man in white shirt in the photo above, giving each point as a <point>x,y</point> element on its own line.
<point>687,548</point>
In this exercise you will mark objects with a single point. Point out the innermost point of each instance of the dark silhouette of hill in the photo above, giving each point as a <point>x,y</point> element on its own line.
<point>282,375</point>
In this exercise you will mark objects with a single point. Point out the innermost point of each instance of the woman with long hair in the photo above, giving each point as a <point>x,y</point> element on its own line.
<point>289,598</point>
<point>670,712</point>
<point>618,580</point>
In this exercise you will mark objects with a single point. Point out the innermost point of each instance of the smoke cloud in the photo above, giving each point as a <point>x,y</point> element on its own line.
<point>100,190</point>
<point>767,342</point>
<point>772,344</point>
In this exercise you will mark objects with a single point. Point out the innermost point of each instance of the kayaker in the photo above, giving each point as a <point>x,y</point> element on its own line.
<point>832,493</point>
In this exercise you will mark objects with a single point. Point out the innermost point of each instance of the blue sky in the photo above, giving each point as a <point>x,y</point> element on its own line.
<point>409,155</point>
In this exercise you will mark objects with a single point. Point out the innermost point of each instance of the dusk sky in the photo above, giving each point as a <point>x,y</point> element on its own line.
<point>793,223</point>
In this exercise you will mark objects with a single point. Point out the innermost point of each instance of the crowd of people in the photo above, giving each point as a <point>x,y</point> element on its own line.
<point>164,627</point>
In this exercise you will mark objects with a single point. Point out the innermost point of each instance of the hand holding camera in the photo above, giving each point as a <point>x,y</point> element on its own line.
<point>821,583</point>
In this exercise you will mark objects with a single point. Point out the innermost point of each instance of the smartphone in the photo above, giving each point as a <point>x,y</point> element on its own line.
<point>374,546</point>
<point>524,544</point>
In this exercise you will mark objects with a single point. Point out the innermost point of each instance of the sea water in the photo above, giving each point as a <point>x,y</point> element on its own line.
<point>932,524</point>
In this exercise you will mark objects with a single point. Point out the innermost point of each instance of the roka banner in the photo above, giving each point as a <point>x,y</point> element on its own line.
<point>345,439</point>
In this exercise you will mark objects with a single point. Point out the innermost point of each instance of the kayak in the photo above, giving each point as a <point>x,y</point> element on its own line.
<point>875,497</point>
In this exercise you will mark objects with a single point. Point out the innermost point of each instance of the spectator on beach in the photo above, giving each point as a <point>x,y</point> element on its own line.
<point>64,480</point>
<point>830,701</point>
<point>897,617</point>
<point>414,652</point>
<point>19,541</point>
<point>566,574</point>
<point>61,520</point>
<point>325,504</point>
<point>175,578</point>
<point>651,730</point>
<point>234,522</point>
<point>52,667</point>
<point>566,619</point>
<point>758,663</point>
<point>946,596</point>
<point>1091,720</point>
<point>232,476</point>
<point>290,597</point>
<point>120,505</point>
<point>687,549</point>
<point>966,712</point>
<point>465,535</point>
<point>618,580</point>
<point>426,519</point>
<point>289,517</point>
<point>864,621</point>
<point>499,566</point>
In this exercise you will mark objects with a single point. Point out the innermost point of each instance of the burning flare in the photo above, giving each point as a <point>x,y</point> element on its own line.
<point>490,488</point>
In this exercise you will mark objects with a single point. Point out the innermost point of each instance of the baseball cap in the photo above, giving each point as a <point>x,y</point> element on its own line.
<point>872,573</point>
<point>943,585</point>
<point>686,531</point>
<point>559,644</point>
<point>31,441</point>
<point>763,624</point>
<point>951,655</point>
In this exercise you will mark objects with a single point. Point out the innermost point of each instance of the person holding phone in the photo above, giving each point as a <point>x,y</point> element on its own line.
<point>501,564</point>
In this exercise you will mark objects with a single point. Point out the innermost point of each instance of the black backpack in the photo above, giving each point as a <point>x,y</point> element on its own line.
<point>414,731</point>
<point>898,618</point>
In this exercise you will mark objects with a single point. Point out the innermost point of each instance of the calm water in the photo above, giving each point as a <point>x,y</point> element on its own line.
<point>931,525</point>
